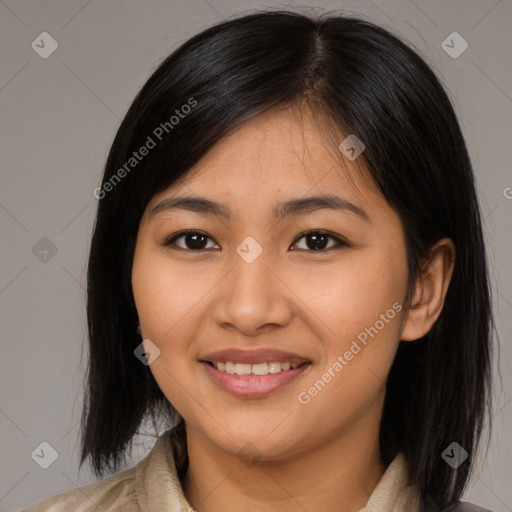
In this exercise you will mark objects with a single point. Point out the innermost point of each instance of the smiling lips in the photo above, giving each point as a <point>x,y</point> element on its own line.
<point>253,373</point>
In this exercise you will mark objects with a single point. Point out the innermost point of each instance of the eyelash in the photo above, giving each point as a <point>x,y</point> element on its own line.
<point>340,242</point>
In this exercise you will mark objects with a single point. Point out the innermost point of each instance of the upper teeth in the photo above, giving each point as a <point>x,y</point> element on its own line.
<point>254,369</point>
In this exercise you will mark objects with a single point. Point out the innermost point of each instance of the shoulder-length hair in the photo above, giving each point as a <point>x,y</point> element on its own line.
<point>369,83</point>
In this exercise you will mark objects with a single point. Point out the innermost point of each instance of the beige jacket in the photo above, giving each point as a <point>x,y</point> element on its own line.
<point>152,485</point>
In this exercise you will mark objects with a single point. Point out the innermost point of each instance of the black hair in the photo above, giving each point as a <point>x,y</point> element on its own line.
<point>368,83</point>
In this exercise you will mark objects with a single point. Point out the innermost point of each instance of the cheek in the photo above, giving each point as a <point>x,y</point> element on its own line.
<point>164,294</point>
<point>165,299</point>
<point>363,311</point>
<point>361,304</point>
<point>353,294</point>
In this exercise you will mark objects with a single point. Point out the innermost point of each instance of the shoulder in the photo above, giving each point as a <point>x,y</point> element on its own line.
<point>116,493</point>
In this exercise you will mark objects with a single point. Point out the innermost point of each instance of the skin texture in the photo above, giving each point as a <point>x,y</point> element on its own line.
<point>322,455</point>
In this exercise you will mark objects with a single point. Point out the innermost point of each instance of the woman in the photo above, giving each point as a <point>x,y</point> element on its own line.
<point>287,265</point>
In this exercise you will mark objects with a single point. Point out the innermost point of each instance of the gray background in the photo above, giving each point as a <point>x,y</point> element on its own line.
<point>58,117</point>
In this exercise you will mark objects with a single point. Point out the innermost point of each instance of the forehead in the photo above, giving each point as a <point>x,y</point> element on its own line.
<point>281,151</point>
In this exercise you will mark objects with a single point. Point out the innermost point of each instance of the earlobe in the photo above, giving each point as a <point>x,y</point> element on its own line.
<point>430,291</point>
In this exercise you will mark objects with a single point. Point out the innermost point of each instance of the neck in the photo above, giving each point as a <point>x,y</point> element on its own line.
<point>337,476</point>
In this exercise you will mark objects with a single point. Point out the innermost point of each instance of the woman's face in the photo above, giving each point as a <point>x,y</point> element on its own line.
<point>255,288</point>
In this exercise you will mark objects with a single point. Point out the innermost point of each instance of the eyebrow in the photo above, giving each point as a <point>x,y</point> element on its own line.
<point>281,210</point>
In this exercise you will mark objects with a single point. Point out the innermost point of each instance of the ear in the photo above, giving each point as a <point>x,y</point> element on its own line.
<point>430,291</point>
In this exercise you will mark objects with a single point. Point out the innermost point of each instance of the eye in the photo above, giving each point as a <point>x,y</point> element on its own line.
<point>197,241</point>
<point>193,240</point>
<point>318,240</point>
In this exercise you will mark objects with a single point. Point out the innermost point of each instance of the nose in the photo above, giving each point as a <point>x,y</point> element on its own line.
<point>253,297</point>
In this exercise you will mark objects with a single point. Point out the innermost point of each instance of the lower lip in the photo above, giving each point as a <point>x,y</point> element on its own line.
<point>252,385</point>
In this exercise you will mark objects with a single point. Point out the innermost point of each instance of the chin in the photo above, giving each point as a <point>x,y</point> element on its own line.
<point>257,440</point>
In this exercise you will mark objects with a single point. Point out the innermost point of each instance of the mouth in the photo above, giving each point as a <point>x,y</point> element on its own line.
<point>253,374</point>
